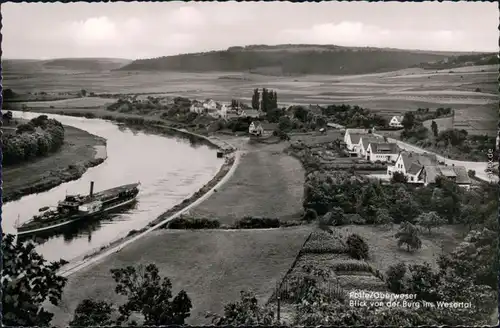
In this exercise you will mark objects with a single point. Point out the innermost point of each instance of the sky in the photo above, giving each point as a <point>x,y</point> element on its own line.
<point>147,30</point>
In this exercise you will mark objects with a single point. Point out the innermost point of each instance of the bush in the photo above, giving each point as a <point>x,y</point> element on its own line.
<point>357,247</point>
<point>249,222</point>
<point>310,215</point>
<point>395,278</point>
<point>192,224</point>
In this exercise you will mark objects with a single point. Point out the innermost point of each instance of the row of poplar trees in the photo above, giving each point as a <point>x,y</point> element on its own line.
<point>269,99</point>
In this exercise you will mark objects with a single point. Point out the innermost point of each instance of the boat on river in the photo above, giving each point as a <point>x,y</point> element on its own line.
<point>77,207</point>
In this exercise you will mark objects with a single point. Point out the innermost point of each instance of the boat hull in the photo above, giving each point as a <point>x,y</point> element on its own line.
<point>51,227</point>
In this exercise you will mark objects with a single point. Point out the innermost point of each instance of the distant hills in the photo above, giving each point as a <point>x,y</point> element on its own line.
<point>297,60</point>
<point>68,64</point>
<point>462,61</point>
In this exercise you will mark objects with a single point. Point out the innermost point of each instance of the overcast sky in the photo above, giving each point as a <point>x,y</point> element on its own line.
<point>143,30</point>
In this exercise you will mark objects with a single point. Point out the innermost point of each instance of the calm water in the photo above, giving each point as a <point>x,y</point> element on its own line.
<point>168,168</point>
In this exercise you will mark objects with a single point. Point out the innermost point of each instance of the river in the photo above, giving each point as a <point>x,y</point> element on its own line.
<point>169,169</point>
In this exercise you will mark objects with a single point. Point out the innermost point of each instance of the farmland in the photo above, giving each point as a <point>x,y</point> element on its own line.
<point>470,91</point>
<point>212,266</point>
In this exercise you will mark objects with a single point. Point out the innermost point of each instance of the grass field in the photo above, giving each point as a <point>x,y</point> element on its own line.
<point>79,149</point>
<point>267,183</point>
<point>384,251</point>
<point>212,266</point>
<point>388,93</point>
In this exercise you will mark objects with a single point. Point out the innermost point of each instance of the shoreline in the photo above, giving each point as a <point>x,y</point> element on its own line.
<point>224,173</point>
<point>70,173</point>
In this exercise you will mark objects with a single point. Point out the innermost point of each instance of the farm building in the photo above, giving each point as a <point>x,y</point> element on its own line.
<point>352,138</point>
<point>256,128</point>
<point>364,142</point>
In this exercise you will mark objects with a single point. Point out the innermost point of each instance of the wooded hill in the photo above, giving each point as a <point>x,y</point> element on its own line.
<point>292,60</point>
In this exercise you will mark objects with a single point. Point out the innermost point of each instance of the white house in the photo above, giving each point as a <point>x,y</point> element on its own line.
<point>411,165</point>
<point>457,174</point>
<point>352,138</point>
<point>210,105</point>
<point>197,107</point>
<point>382,151</point>
<point>396,121</point>
<point>256,128</point>
<point>364,142</point>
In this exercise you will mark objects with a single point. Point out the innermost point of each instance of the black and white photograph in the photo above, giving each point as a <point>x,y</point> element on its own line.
<point>250,163</point>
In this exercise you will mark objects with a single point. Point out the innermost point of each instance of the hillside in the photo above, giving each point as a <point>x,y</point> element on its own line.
<point>292,60</point>
<point>13,66</point>
<point>462,61</point>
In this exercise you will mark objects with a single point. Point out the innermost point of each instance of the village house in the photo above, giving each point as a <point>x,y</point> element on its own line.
<point>197,107</point>
<point>219,112</point>
<point>396,122</point>
<point>411,165</point>
<point>258,128</point>
<point>382,151</point>
<point>457,174</point>
<point>352,138</point>
<point>250,113</point>
<point>364,142</point>
<point>210,105</point>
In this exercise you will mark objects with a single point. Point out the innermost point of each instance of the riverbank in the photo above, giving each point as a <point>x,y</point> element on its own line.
<point>226,170</point>
<point>80,151</point>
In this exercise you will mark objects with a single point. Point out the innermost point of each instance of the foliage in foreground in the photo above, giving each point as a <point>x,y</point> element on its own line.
<point>148,295</point>
<point>28,281</point>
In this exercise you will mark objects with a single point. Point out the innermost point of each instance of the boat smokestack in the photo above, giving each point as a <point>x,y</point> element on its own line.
<point>91,188</point>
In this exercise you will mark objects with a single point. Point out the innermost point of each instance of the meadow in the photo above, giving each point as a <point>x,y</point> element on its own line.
<point>267,183</point>
<point>212,266</point>
<point>471,91</point>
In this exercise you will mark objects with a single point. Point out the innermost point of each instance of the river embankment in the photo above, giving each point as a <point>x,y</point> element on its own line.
<point>80,151</point>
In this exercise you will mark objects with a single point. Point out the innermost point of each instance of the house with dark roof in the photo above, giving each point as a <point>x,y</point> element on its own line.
<point>411,165</point>
<point>457,174</point>
<point>364,142</point>
<point>352,138</point>
<point>386,152</point>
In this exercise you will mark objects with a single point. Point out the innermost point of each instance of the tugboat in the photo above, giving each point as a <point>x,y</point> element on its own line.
<point>77,207</point>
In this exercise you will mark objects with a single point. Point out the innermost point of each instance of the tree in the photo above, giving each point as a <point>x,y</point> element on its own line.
<point>423,282</point>
<point>284,124</point>
<point>310,215</point>
<point>256,99</point>
<point>300,113</point>
<point>408,235</point>
<point>430,220</point>
<point>92,313</point>
<point>28,281</point>
<point>149,295</point>
<point>264,103</point>
<point>383,217</point>
<point>275,100</point>
<point>434,128</point>
<point>408,121</point>
<point>395,275</point>
<point>399,177</point>
<point>245,312</point>
<point>357,247</point>
<point>83,92</point>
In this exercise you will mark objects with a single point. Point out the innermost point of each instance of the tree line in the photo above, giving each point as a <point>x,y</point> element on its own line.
<point>38,137</point>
